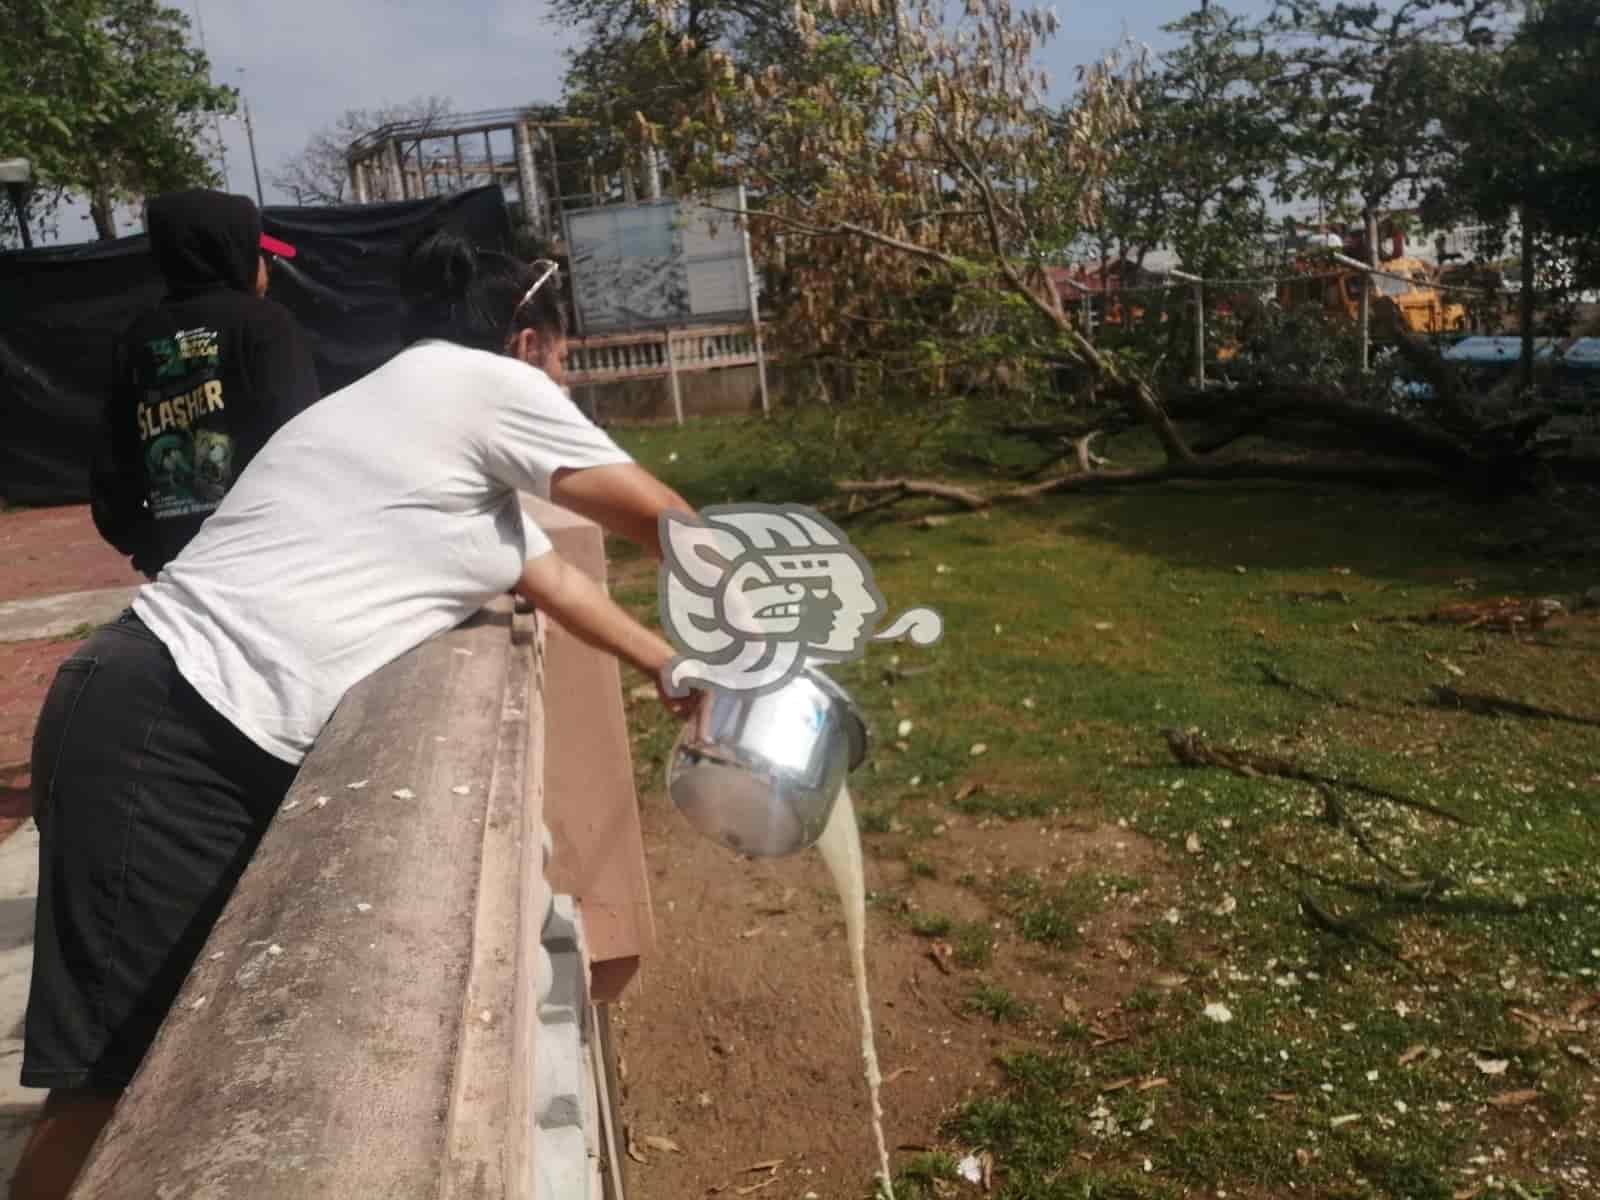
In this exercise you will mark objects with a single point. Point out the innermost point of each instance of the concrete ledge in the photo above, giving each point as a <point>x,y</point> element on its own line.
<point>357,1025</point>
<point>57,616</point>
<point>372,1014</point>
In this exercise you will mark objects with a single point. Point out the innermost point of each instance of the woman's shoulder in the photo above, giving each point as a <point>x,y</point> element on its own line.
<point>494,378</point>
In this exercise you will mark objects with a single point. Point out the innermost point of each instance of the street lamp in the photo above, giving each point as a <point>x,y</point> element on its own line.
<point>17,175</point>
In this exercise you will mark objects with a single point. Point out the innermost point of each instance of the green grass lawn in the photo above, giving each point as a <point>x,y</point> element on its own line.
<point>1406,992</point>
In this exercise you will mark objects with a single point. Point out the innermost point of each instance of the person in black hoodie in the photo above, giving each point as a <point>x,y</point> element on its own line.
<point>201,381</point>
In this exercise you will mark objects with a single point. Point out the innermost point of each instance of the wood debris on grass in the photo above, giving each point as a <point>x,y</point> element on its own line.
<point>1504,615</point>
<point>1514,1099</point>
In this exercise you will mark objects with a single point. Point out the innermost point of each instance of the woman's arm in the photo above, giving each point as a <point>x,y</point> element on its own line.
<point>622,498</point>
<point>584,609</point>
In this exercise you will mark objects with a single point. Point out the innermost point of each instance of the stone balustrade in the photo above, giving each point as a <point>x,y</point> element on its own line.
<point>660,352</point>
<point>399,1000</point>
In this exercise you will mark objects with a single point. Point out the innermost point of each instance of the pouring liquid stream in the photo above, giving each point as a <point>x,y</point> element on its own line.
<point>840,845</point>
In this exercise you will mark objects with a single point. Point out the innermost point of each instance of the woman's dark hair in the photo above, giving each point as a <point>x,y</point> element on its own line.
<point>478,298</point>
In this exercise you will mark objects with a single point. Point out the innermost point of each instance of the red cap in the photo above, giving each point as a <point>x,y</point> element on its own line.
<point>273,246</point>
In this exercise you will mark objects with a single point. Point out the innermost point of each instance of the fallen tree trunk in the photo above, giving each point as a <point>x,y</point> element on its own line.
<point>1289,470</point>
<point>891,490</point>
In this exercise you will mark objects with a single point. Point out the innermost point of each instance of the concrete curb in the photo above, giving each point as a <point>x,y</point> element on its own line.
<point>57,616</point>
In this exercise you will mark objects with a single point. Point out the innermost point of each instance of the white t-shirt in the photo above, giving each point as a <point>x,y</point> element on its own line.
<point>380,516</point>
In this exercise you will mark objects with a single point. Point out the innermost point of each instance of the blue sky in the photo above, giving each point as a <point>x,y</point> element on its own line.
<point>303,62</point>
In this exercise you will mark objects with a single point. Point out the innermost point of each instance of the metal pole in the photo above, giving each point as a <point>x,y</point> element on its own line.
<point>250,136</point>
<point>755,304</point>
<point>1370,236</point>
<point>1200,335</point>
<point>461,165</point>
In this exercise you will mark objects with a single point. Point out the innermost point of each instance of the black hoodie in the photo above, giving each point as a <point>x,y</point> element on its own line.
<point>201,381</point>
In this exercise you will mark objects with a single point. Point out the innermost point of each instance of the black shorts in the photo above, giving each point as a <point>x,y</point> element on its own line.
<point>149,806</point>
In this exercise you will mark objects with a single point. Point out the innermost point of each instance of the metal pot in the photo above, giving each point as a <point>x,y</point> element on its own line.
<point>760,773</point>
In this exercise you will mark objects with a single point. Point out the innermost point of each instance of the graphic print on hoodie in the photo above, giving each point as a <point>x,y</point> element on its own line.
<point>202,380</point>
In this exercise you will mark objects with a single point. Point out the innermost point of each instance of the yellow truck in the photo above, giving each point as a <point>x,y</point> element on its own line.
<point>1406,281</point>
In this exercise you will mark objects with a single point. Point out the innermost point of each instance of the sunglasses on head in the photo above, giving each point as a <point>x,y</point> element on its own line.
<point>550,269</point>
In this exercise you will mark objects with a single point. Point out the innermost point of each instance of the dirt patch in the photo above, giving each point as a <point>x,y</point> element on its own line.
<point>740,1042</point>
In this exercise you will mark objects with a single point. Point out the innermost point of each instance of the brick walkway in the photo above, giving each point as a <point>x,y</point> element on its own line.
<point>45,551</point>
<point>51,550</point>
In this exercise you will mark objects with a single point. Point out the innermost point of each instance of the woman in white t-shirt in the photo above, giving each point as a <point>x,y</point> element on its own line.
<point>382,515</point>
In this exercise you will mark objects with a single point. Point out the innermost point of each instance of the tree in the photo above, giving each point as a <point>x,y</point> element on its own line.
<point>107,98</point>
<point>644,61</point>
<point>1526,149</point>
<point>1195,173</point>
<point>319,173</point>
<point>1211,135</point>
<point>1365,87</point>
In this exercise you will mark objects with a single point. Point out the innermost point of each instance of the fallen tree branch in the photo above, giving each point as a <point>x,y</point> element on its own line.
<point>1485,705</point>
<point>1287,470</point>
<point>1412,892</point>
<point>1088,460</point>
<point>1335,814</point>
<point>1050,434</point>
<point>1319,918</point>
<point>1191,750</point>
<point>1271,676</point>
<point>899,489</point>
<point>1240,430</point>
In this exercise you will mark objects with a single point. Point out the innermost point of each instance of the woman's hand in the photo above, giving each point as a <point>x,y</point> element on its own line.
<point>682,707</point>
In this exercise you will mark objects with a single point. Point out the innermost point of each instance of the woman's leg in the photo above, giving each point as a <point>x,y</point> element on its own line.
<point>149,807</point>
<point>60,1143</point>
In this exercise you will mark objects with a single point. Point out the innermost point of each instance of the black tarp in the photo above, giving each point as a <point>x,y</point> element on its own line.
<point>62,309</point>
